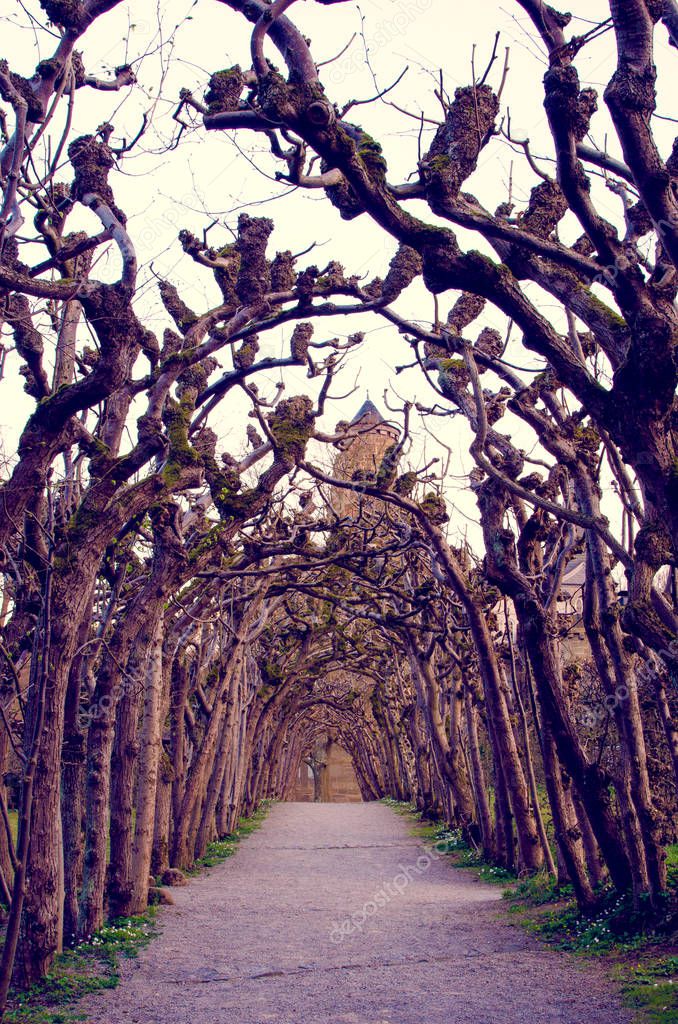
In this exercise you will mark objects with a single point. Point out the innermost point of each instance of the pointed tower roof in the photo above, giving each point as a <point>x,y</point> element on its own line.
<point>368,410</point>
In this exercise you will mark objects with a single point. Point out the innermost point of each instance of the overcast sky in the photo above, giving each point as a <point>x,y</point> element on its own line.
<point>214,177</point>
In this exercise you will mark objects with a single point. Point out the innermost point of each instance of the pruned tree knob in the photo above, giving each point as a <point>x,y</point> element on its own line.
<point>320,114</point>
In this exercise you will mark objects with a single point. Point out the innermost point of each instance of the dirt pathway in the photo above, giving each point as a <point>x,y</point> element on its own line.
<point>334,914</point>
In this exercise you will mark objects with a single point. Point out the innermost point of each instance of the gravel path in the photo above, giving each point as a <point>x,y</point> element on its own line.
<point>327,916</point>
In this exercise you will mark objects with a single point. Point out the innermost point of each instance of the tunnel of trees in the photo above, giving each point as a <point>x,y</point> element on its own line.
<point>182,621</point>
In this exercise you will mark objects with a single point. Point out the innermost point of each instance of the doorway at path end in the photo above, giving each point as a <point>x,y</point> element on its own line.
<point>326,775</point>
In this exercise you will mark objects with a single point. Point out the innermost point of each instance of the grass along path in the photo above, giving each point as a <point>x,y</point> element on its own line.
<point>639,952</point>
<point>96,964</point>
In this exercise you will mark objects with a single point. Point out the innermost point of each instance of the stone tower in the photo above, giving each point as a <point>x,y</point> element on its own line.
<point>368,439</point>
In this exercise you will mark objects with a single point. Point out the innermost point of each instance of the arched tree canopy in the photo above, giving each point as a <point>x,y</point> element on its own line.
<point>217,552</point>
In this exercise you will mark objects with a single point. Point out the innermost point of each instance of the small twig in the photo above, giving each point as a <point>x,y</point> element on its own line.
<point>493,57</point>
<point>504,74</point>
<point>324,63</point>
<point>357,103</point>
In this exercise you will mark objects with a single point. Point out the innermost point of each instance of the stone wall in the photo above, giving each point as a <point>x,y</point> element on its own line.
<point>340,784</point>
